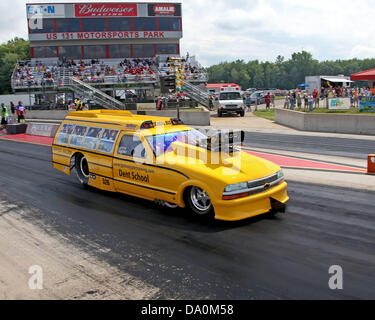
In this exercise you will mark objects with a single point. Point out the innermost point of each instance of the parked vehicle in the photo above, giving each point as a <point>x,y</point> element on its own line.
<point>257,97</point>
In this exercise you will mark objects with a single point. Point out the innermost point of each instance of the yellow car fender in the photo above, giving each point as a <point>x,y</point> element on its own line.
<point>193,183</point>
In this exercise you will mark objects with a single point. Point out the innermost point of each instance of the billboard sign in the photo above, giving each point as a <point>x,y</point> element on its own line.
<point>106,35</point>
<point>339,104</point>
<point>46,11</point>
<point>105,10</point>
<point>367,104</point>
<point>164,9</point>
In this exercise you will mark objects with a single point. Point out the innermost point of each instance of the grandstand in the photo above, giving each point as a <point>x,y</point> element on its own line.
<point>113,55</point>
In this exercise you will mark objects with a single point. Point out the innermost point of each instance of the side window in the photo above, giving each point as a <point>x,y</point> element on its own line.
<point>78,136</point>
<point>92,138</point>
<point>131,146</point>
<point>65,133</point>
<point>108,140</point>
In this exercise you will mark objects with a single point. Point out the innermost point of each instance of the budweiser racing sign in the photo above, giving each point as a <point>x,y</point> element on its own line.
<point>164,9</point>
<point>106,10</point>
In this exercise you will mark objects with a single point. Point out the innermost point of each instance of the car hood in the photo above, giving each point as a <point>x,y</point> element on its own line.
<point>227,168</point>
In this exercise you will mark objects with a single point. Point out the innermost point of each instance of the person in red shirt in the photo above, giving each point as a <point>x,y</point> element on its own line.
<point>315,95</point>
<point>267,99</point>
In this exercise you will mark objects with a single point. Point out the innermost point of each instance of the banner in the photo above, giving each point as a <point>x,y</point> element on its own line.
<point>164,9</point>
<point>338,104</point>
<point>367,104</point>
<point>106,10</point>
<point>106,35</point>
<point>46,11</point>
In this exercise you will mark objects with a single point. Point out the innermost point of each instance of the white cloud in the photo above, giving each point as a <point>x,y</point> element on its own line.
<point>221,30</point>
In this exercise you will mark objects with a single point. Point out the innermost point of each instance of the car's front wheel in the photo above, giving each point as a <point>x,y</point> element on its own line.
<point>199,202</point>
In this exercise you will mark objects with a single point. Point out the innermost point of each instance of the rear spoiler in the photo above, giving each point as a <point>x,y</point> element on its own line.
<point>224,140</point>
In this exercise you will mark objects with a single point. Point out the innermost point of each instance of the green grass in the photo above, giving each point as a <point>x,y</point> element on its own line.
<point>267,114</point>
<point>270,115</point>
<point>325,110</point>
<point>279,98</point>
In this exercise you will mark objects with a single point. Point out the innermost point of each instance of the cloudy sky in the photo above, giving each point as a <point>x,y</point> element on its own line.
<point>226,30</point>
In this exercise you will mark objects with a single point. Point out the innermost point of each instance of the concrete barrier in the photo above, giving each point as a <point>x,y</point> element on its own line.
<point>197,118</point>
<point>42,129</point>
<point>47,114</point>
<point>16,128</point>
<point>327,122</point>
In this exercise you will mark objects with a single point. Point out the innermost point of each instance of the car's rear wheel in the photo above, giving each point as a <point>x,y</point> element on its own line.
<point>199,202</point>
<point>82,169</point>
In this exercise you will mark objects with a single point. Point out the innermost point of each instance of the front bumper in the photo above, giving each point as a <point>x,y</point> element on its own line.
<point>273,199</point>
<point>227,110</point>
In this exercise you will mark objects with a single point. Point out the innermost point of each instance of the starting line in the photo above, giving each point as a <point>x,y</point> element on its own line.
<point>45,141</point>
<point>282,161</point>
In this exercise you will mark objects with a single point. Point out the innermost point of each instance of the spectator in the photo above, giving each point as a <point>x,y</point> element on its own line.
<point>21,111</point>
<point>351,99</point>
<point>315,95</point>
<point>311,102</point>
<point>299,100</point>
<point>211,103</point>
<point>293,100</point>
<point>267,99</point>
<point>4,116</point>
<point>287,101</point>
<point>71,106</point>
<point>12,108</point>
<point>78,104</point>
<point>306,101</point>
<point>356,98</point>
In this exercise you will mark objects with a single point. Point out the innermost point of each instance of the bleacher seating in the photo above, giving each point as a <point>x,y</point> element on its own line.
<point>94,72</point>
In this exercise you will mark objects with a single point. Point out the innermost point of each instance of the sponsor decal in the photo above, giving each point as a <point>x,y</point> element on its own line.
<point>134,176</point>
<point>106,10</point>
<point>164,9</point>
<point>45,11</point>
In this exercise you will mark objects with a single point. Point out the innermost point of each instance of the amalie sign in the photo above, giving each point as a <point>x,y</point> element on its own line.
<point>164,9</point>
<point>106,10</point>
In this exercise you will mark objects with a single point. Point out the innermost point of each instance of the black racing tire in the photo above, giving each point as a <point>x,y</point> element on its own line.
<point>82,169</point>
<point>199,203</point>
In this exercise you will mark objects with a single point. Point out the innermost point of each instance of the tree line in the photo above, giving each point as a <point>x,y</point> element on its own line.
<point>283,74</point>
<point>10,52</point>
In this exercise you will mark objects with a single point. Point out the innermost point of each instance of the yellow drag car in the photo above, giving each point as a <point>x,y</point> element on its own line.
<point>162,160</point>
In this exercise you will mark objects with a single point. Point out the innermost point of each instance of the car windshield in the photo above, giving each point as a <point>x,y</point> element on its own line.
<point>162,143</point>
<point>230,96</point>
